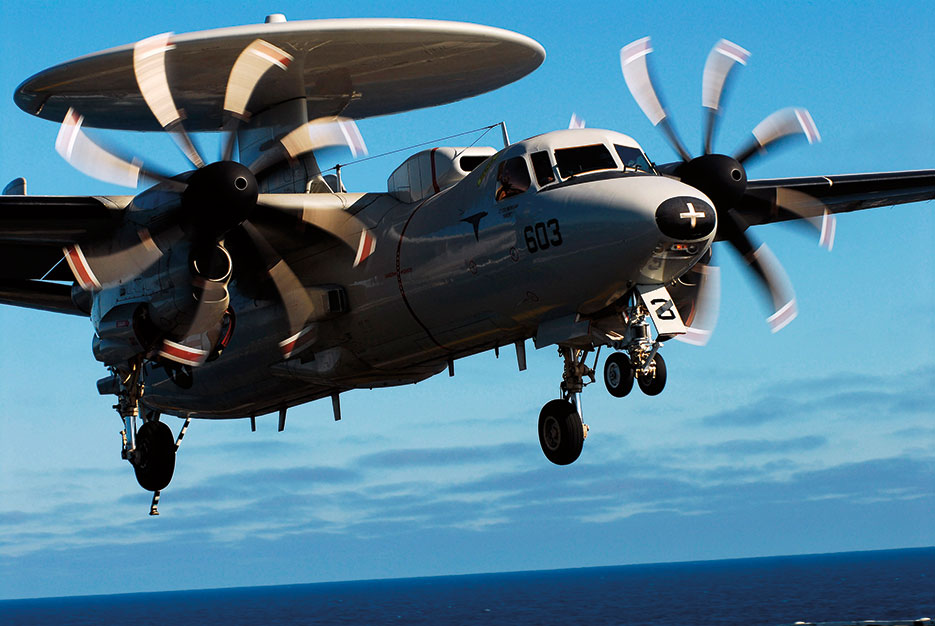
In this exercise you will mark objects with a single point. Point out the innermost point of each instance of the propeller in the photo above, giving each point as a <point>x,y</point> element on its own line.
<point>203,206</point>
<point>697,296</point>
<point>723,178</point>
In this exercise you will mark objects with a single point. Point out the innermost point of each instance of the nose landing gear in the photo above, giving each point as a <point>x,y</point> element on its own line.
<point>639,359</point>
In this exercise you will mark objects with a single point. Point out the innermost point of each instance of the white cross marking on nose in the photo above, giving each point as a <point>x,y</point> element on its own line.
<point>692,214</point>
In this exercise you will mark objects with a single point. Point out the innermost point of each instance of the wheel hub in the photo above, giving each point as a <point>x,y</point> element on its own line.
<point>613,375</point>
<point>552,433</point>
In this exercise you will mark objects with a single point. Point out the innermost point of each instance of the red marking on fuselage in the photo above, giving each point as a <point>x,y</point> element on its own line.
<point>366,247</point>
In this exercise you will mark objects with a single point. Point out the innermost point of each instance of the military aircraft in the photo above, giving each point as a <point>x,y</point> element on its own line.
<point>244,287</point>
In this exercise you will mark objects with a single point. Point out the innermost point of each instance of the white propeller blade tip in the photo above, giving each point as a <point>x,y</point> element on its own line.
<point>632,51</point>
<point>781,318</point>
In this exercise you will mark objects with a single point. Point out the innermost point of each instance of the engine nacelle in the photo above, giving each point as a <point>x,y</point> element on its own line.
<point>191,290</point>
<point>122,333</point>
<point>184,294</point>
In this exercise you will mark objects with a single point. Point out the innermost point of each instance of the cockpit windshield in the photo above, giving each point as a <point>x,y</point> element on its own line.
<point>582,159</point>
<point>573,161</point>
<point>633,159</point>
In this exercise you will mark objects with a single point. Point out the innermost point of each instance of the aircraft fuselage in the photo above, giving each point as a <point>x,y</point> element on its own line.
<point>461,272</point>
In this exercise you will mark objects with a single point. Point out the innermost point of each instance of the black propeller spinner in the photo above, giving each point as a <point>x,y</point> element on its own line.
<point>218,197</point>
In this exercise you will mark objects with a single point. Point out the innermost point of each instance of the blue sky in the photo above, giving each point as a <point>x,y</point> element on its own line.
<point>817,439</point>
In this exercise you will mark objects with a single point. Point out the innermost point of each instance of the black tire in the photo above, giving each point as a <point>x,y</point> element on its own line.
<point>561,433</point>
<point>618,374</point>
<point>653,383</point>
<point>155,456</point>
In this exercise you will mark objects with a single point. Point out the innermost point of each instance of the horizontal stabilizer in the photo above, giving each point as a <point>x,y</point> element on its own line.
<point>16,187</point>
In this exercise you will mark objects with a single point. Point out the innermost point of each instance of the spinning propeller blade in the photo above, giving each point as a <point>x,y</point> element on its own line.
<point>149,66</point>
<point>314,135</point>
<point>633,63</point>
<point>333,220</point>
<point>249,68</point>
<point>766,268</point>
<point>781,124</point>
<point>106,262</point>
<point>89,157</point>
<point>721,60</point>
<point>806,207</point>
<point>292,293</point>
<point>697,295</point>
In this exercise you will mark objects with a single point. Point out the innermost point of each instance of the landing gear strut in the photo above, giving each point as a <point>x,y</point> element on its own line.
<point>562,430</point>
<point>150,448</point>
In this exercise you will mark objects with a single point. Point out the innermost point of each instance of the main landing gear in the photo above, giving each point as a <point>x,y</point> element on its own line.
<point>562,430</point>
<point>150,447</point>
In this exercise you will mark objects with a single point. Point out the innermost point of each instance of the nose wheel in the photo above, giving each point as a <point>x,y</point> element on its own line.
<point>618,374</point>
<point>652,378</point>
<point>639,356</point>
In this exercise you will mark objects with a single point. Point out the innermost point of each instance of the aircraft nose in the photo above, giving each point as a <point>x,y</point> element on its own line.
<point>685,218</point>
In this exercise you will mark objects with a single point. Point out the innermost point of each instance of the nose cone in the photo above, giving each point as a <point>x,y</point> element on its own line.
<point>685,218</point>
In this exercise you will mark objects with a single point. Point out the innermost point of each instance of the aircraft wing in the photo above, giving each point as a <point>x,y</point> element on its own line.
<point>781,199</point>
<point>33,230</point>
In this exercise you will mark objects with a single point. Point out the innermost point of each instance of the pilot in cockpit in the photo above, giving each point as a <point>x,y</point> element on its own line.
<point>512,178</point>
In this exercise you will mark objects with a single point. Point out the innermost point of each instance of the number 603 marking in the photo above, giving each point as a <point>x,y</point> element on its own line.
<point>543,235</point>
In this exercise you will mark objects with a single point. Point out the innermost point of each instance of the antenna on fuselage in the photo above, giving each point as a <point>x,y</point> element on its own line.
<point>506,136</point>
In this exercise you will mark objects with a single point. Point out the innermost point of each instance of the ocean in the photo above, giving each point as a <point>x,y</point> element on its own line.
<point>883,585</point>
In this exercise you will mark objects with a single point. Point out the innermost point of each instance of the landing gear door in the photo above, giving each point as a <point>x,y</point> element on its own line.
<point>662,309</point>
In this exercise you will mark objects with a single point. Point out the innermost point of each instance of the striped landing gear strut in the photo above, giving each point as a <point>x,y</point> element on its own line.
<point>154,507</point>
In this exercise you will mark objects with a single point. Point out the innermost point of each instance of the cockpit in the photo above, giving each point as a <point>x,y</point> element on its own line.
<point>564,156</point>
<point>544,162</point>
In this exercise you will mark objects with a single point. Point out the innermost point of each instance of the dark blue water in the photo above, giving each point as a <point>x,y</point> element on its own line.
<point>888,585</point>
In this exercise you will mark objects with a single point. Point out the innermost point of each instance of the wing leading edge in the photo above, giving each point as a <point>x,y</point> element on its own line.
<point>33,230</point>
<point>782,199</point>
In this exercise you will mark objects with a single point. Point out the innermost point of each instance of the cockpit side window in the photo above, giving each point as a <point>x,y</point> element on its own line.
<point>542,165</point>
<point>572,161</point>
<point>512,178</point>
<point>633,159</point>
